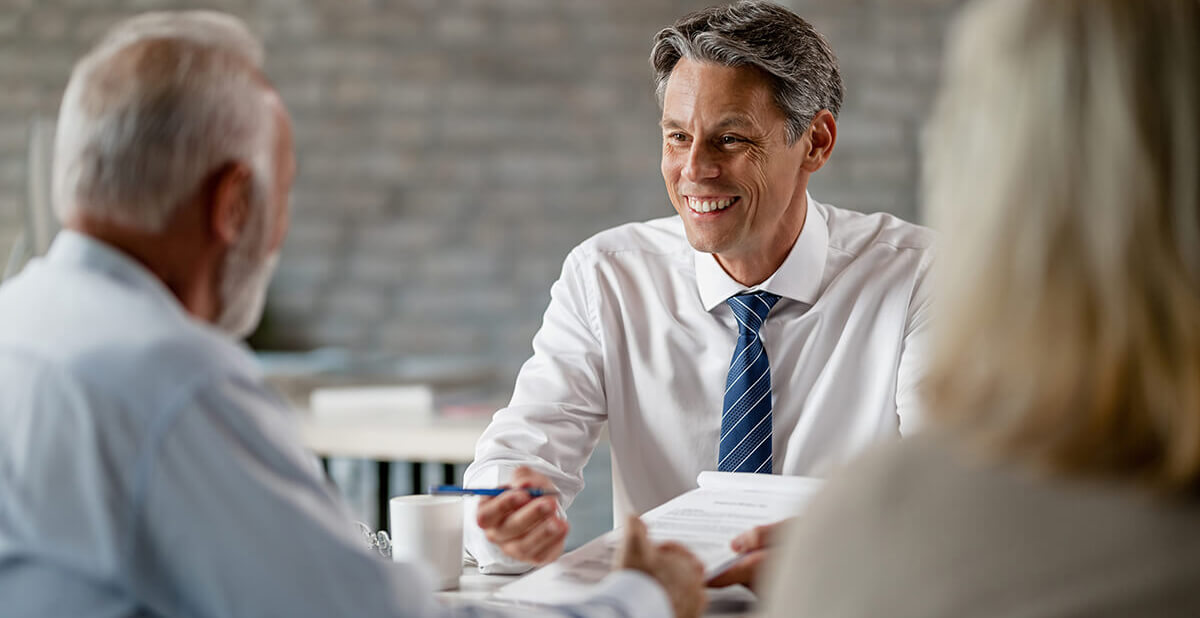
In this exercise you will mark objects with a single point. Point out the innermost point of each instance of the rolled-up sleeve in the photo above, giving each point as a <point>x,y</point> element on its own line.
<point>557,411</point>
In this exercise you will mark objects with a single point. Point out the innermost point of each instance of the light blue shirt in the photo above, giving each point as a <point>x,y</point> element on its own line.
<point>146,471</point>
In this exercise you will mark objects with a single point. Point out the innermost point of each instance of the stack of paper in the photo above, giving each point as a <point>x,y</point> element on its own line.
<point>705,520</point>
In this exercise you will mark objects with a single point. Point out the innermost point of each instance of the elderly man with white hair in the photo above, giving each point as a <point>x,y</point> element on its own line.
<point>144,468</point>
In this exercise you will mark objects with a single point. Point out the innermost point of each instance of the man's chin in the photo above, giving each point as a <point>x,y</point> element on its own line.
<point>705,243</point>
<point>711,238</point>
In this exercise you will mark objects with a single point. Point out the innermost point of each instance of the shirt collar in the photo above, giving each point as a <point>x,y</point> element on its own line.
<point>80,251</point>
<point>798,278</point>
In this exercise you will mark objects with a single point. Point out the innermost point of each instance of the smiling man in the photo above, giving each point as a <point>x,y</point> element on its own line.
<point>757,331</point>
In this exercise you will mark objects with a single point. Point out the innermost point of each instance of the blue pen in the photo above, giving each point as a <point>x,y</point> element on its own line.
<point>463,491</point>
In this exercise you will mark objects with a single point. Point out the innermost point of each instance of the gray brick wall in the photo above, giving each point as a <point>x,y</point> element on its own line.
<point>451,152</point>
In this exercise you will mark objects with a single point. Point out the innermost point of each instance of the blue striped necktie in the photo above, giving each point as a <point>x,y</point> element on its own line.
<point>746,415</point>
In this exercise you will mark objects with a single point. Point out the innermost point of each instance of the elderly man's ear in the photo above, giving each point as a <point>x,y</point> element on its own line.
<point>229,205</point>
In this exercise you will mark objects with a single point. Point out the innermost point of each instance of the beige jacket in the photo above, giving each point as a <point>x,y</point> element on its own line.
<point>919,530</point>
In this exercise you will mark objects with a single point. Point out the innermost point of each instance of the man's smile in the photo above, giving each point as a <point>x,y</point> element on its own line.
<point>702,204</point>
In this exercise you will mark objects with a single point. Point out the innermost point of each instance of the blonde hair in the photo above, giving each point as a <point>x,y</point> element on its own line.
<point>1063,166</point>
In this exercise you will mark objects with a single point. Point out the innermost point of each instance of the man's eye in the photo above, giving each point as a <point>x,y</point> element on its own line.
<point>728,139</point>
<point>677,137</point>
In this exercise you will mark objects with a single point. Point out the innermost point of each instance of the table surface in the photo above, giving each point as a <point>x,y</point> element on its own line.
<point>387,437</point>
<point>475,587</point>
<point>405,435</point>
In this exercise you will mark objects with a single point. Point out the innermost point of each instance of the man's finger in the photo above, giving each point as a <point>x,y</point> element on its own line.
<point>553,546</point>
<point>537,544</point>
<point>523,520</point>
<point>636,546</point>
<point>750,540</point>
<point>671,547</point>
<point>491,513</point>
<point>743,572</point>
<point>486,499</point>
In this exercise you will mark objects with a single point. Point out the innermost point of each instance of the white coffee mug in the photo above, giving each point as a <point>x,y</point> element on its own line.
<point>428,530</point>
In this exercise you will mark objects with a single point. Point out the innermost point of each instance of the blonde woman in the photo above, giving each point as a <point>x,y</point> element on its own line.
<point>1062,473</point>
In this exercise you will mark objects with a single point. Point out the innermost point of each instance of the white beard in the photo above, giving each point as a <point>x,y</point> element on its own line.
<point>244,281</point>
<point>244,295</point>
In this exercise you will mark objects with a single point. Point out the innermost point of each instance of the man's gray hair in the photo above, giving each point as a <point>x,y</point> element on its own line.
<point>794,56</point>
<point>162,101</point>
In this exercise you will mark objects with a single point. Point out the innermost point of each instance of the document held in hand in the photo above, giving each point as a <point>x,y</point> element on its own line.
<point>705,520</point>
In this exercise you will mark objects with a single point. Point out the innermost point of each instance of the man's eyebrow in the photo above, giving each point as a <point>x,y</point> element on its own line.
<point>736,121</point>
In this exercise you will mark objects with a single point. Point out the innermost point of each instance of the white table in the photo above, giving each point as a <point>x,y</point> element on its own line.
<point>385,438</point>
<point>475,587</point>
<point>388,437</point>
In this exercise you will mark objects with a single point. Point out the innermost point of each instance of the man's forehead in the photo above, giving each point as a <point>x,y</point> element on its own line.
<point>722,96</point>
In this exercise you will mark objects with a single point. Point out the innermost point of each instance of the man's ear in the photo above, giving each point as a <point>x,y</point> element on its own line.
<point>230,202</point>
<point>821,137</point>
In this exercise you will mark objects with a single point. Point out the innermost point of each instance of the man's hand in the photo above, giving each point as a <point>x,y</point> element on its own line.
<point>676,569</point>
<point>528,529</point>
<point>752,544</point>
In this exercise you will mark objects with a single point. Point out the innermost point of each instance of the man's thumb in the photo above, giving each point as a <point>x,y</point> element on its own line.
<point>636,548</point>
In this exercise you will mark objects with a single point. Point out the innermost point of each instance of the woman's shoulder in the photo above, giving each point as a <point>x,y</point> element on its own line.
<point>892,472</point>
<point>924,527</point>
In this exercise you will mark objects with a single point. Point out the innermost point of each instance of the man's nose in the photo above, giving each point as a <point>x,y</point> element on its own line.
<point>701,164</point>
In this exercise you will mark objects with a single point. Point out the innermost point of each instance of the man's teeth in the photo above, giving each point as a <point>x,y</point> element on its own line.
<point>709,205</point>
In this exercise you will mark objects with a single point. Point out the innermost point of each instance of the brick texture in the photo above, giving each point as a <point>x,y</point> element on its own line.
<point>451,152</point>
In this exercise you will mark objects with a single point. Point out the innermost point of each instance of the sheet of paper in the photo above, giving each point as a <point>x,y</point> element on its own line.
<point>705,520</point>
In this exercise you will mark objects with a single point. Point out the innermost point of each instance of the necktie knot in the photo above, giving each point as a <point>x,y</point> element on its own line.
<point>751,310</point>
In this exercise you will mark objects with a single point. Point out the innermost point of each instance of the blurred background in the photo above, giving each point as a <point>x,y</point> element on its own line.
<point>451,152</point>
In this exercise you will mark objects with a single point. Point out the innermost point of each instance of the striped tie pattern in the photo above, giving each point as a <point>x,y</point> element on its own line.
<point>746,416</point>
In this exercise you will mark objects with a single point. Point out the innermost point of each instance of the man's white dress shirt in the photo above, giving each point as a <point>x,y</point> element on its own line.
<point>146,471</point>
<point>638,336</point>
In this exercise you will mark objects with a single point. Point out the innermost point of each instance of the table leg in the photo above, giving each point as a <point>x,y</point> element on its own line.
<point>418,477</point>
<point>384,470</point>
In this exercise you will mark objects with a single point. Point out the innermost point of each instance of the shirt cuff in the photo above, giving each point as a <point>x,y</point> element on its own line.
<point>633,593</point>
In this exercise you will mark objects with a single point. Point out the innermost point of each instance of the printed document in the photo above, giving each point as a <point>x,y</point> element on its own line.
<point>705,520</point>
